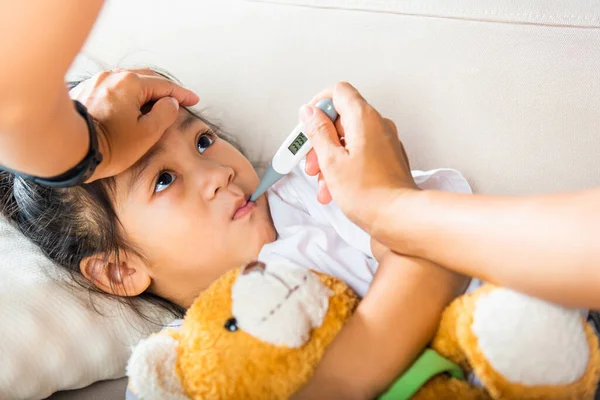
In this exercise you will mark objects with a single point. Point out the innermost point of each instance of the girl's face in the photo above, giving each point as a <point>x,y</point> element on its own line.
<point>182,205</point>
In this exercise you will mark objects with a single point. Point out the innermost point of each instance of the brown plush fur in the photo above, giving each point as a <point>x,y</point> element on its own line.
<point>214,363</point>
<point>444,387</point>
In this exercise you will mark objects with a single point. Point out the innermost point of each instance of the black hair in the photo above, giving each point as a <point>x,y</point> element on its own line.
<point>70,224</point>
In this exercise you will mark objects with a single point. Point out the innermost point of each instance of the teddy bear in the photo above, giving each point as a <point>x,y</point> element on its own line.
<point>259,331</point>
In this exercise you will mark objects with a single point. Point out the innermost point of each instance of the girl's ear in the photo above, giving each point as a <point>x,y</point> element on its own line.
<point>122,276</point>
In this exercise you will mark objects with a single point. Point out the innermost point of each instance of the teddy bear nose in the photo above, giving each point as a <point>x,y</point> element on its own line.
<point>254,266</point>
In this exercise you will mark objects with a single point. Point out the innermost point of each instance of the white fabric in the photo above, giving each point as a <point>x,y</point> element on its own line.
<point>280,304</point>
<point>554,350</point>
<point>321,237</point>
<point>51,338</point>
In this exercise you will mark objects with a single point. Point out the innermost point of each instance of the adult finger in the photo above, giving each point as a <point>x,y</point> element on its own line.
<point>312,167</point>
<point>144,71</point>
<point>137,71</point>
<point>324,94</point>
<point>156,87</point>
<point>323,194</point>
<point>329,94</point>
<point>348,100</point>
<point>322,133</point>
<point>392,127</point>
<point>406,160</point>
<point>312,163</point>
<point>162,115</point>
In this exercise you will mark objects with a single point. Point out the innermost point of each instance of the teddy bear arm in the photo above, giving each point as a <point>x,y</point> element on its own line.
<point>152,369</point>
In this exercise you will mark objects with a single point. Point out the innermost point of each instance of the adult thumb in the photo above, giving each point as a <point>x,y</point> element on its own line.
<point>322,133</point>
<point>162,115</point>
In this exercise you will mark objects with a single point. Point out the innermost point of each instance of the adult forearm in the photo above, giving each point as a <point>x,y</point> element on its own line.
<point>547,246</point>
<point>40,132</point>
<point>41,39</point>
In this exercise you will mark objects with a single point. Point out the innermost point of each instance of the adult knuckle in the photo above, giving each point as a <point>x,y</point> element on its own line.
<point>336,88</point>
<point>390,125</point>
<point>102,75</point>
<point>340,85</point>
<point>128,77</point>
<point>148,71</point>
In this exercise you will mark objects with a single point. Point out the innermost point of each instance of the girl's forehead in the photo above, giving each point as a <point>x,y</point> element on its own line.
<point>186,124</point>
<point>186,120</point>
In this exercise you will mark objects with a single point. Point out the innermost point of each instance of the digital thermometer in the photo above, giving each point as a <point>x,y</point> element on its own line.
<point>294,148</point>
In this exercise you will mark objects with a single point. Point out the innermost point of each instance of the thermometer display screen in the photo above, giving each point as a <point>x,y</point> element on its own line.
<point>297,143</point>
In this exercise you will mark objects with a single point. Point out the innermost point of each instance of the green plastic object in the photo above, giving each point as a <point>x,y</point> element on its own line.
<point>428,365</point>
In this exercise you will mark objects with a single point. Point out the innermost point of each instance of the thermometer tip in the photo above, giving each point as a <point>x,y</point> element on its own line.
<point>271,176</point>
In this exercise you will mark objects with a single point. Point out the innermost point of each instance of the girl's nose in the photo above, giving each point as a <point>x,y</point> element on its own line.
<point>216,177</point>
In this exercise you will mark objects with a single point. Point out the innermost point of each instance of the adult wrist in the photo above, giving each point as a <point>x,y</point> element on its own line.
<point>103,149</point>
<point>82,171</point>
<point>395,218</point>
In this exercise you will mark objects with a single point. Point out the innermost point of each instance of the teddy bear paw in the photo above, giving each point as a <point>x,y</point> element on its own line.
<point>151,369</point>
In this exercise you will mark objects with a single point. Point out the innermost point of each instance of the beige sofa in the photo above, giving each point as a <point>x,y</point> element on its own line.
<point>508,92</point>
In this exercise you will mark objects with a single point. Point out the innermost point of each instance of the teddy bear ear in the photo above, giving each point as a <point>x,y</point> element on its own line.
<point>151,369</point>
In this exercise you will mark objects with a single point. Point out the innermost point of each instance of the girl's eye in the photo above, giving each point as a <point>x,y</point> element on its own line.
<point>205,141</point>
<point>164,181</point>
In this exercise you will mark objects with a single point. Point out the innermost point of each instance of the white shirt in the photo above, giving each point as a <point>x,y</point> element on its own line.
<point>321,237</point>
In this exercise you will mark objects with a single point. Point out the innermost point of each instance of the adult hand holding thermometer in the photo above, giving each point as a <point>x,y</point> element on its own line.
<point>294,148</point>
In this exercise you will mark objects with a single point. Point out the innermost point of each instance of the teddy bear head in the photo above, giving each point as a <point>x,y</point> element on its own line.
<point>257,332</point>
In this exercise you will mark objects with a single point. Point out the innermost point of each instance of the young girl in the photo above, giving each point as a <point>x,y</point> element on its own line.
<point>179,218</point>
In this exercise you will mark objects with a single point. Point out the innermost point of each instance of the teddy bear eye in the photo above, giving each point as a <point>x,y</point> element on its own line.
<point>231,325</point>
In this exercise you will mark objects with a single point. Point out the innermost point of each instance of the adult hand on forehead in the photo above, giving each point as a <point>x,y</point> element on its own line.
<point>365,173</point>
<point>115,100</point>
